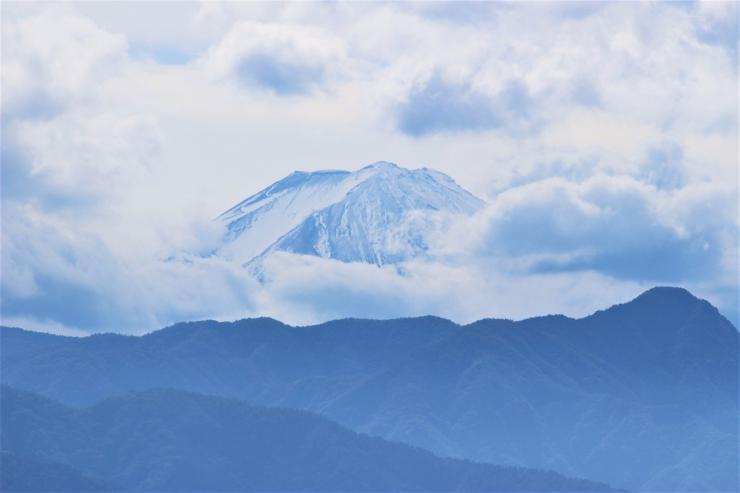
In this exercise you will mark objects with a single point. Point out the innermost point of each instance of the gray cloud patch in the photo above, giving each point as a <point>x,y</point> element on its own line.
<point>442,106</point>
<point>663,167</point>
<point>281,76</point>
<point>612,226</point>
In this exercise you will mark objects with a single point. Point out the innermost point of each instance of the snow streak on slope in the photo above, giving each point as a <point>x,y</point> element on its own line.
<point>379,214</point>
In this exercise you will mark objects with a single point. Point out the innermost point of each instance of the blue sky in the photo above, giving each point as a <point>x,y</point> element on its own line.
<point>604,137</point>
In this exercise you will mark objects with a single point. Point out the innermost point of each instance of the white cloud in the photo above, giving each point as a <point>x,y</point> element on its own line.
<point>89,152</point>
<point>56,275</point>
<point>54,60</point>
<point>285,59</point>
<point>616,225</point>
<point>304,290</point>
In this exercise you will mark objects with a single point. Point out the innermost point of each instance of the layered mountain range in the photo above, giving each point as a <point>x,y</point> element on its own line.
<point>642,396</point>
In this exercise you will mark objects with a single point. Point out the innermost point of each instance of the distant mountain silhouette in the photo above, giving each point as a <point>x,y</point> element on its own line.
<point>165,440</point>
<point>643,395</point>
<point>23,474</point>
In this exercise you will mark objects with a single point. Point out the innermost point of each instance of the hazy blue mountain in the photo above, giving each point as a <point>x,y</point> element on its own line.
<point>165,440</point>
<point>23,474</point>
<point>379,214</point>
<point>642,395</point>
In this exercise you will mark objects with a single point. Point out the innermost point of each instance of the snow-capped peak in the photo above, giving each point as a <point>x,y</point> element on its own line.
<point>382,166</point>
<point>376,214</point>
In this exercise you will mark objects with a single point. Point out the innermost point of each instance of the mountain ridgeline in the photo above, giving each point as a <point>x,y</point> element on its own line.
<point>642,396</point>
<point>166,440</point>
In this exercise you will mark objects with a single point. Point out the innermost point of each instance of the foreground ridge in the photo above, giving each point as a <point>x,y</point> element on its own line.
<point>167,440</point>
<point>598,397</point>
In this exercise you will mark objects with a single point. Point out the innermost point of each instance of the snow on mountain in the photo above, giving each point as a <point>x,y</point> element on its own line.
<point>379,214</point>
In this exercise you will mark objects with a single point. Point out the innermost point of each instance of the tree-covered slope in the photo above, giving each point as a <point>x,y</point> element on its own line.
<point>165,440</point>
<point>642,395</point>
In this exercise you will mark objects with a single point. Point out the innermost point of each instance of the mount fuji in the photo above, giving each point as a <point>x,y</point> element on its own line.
<point>380,214</point>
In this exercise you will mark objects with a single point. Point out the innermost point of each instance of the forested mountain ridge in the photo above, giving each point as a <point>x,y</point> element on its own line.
<point>643,395</point>
<point>166,440</point>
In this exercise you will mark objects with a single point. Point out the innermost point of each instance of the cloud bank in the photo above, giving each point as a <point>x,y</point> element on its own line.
<point>604,138</point>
